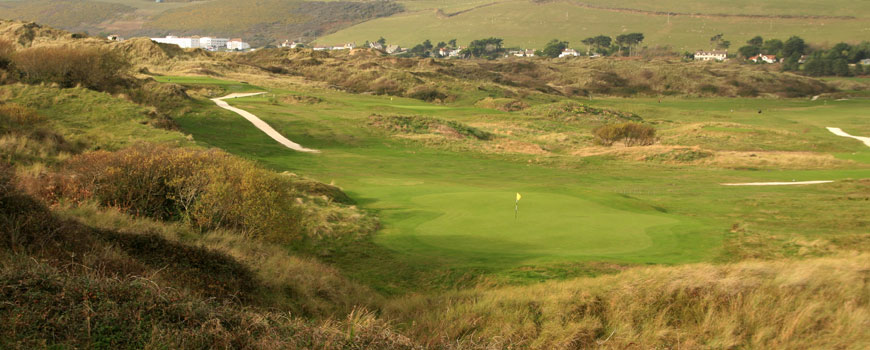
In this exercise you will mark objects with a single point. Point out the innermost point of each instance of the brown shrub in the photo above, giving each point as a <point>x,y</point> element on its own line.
<point>632,134</point>
<point>426,93</point>
<point>92,68</point>
<point>209,189</point>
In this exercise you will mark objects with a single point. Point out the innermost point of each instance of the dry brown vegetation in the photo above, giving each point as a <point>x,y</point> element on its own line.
<point>810,304</point>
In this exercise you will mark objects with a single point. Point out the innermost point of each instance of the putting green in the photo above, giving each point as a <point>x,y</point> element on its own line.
<point>547,224</point>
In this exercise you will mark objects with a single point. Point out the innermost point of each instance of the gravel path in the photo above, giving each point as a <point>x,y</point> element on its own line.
<point>778,183</point>
<point>840,132</point>
<point>259,123</point>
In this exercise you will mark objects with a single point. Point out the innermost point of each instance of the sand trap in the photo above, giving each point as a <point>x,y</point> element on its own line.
<point>840,132</point>
<point>259,123</point>
<point>778,183</point>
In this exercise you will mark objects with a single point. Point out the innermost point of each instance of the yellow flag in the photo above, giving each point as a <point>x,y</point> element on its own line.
<point>519,197</point>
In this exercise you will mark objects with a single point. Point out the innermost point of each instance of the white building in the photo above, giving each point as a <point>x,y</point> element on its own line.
<point>764,58</point>
<point>115,37</point>
<point>290,44</point>
<point>213,44</point>
<point>455,52</point>
<point>569,53</point>
<point>184,43</point>
<point>237,44</point>
<point>715,55</point>
<point>865,62</point>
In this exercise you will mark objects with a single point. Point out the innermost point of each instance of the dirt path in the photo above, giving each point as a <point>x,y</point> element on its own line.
<point>778,183</point>
<point>259,123</point>
<point>840,132</point>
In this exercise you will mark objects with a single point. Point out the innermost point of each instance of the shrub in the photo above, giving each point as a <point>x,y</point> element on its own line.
<point>426,93</point>
<point>93,68</point>
<point>209,189</point>
<point>631,134</point>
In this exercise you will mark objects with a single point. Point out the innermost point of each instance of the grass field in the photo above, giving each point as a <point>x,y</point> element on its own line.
<point>530,25</point>
<point>448,214</point>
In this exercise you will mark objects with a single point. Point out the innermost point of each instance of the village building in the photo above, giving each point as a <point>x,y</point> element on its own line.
<point>569,53</point>
<point>115,37</point>
<point>237,44</point>
<point>521,53</point>
<point>376,45</point>
<point>213,44</point>
<point>715,55</point>
<point>764,58</point>
<point>391,49</point>
<point>455,52</point>
<point>290,44</point>
<point>184,43</point>
<point>321,48</point>
<point>865,62</point>
<point>443,52</point>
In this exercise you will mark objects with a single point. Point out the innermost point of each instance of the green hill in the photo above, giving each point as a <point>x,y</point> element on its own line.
<point>531,24</point>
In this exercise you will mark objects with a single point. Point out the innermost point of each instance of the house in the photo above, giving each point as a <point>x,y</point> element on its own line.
<point>521,53</point>
<point>865,62</point>
<point>764,58</point>
<point>213,44</point>
<point>376,45</point>
<point>321,48</point>
<point>443,52</point>
<point>184,43</point>
<point>455,52</point>
<point>569,53</point>
<point>115,37</point>
<point>290,44</point>
<point>715,55</point>
<point>237,44</point>
<point>391,49</point>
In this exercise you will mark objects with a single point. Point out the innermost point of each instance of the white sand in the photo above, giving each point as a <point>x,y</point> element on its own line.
<point>259,123</point>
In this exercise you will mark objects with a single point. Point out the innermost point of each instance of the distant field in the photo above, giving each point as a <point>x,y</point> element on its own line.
<point>448,214</point>
<point>527,24</point>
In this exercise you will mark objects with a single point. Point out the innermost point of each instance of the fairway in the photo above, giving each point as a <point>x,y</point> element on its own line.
<point>447,212</point>
<point>548,224</point>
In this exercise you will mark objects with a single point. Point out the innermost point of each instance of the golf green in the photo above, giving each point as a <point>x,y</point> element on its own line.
<point>546,224</point>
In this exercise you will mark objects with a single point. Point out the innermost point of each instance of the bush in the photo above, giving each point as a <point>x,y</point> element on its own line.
<point>208,189</point>
<point>426,93</point>
<point>631,134</point>
<point>93,68</point>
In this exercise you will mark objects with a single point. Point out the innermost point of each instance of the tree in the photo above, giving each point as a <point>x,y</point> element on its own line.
<point>772,47</point>
<point>839,51</point>
<point>554,48</point>
<point>427,44</point>
<point>858,70</point>
<point>589,42</point>
<point>629,40</point>
<point>440,45</point>
<point>791,64</point>
<point>382,41</point>
<point>748,51</point>
<point>756,41</point>
<point>840,67</point>
<point>794,46</point>
<point>452,43</point>
<point>489,48</point>
<point>718,41</point>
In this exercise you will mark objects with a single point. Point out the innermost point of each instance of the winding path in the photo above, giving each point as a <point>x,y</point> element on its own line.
<point>778,183</point>
<point>259,123</point>
<point>840,132</point>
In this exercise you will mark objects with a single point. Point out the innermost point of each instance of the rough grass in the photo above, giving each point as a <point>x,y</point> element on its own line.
<point>810,304</point>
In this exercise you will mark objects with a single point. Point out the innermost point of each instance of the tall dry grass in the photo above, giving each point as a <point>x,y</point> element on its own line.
<point>803,304</point>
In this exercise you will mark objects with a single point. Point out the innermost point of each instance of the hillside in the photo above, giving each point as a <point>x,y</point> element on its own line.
<point>530,24</point>
<point>260,23</point>
<point>682,26</point>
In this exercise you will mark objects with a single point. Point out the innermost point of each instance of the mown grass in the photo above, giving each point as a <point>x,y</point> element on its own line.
<point>466,233</point>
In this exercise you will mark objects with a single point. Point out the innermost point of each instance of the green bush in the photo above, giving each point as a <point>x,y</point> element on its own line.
<point>631,134</point>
